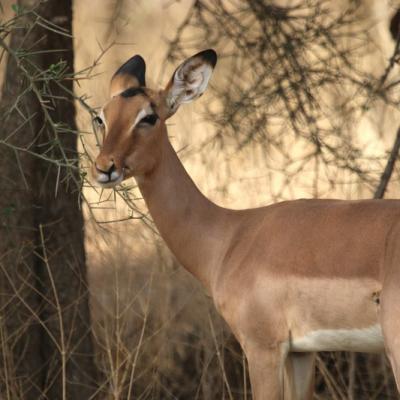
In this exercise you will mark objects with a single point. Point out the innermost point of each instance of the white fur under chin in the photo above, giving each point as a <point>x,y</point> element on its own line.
<point>369,340</point>
<point>111,184</point>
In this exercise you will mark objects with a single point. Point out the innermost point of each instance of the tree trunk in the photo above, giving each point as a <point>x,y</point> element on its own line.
<point>45,322</point>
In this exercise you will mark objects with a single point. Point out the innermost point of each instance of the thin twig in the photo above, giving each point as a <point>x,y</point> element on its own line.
<point>387,173</point>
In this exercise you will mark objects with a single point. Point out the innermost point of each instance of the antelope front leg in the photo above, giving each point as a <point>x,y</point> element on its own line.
<point>266,368</point>
<point>299,377</point>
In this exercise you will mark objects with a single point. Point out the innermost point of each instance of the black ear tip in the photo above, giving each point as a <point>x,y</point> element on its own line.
<point>210,56</point>
<point>139,60</point>
<point>134,66</point>
<point>395,25</point>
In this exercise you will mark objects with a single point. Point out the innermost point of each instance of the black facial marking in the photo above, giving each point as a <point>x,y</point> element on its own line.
<point>133,91</point>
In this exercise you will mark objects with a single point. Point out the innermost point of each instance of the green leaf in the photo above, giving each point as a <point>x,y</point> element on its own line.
<point>17,8</point>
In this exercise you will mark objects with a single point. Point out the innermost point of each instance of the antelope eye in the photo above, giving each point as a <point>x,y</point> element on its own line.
<point>150,119</point>
<point>98,121</point>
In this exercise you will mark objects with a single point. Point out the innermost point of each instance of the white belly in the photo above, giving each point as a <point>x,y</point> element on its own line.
<point>369,340</point>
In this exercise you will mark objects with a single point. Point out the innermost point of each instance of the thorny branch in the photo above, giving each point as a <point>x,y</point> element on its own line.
<point>291,74</point>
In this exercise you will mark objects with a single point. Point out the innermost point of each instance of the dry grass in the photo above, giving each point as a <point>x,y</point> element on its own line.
<point>158,336</point>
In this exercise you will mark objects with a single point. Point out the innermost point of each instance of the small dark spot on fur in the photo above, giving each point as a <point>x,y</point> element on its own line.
<point>376,297</point>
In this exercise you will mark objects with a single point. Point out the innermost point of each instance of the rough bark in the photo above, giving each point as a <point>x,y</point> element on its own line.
<point>45,330</point>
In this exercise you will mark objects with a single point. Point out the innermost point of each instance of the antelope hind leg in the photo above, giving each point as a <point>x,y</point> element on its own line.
<point>389,308</point>
<point>390,320</point>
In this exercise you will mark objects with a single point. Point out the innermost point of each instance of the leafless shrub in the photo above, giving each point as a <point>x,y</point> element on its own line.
<point>292,78</point>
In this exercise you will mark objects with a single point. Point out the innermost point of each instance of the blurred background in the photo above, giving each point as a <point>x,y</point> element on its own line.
<point>303,103</point>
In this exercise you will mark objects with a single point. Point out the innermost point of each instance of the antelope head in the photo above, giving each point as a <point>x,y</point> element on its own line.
<point>132,122</point>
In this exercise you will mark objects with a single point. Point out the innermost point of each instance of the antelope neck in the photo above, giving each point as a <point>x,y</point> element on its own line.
<point>194,228</point>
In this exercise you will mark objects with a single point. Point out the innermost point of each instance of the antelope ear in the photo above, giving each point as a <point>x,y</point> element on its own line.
<point>130,74</point>
<point>190,79</point>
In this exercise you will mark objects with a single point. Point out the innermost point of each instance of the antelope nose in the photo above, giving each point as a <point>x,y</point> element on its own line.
<point>107,173</point>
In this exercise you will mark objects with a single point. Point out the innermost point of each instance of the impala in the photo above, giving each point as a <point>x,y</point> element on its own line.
<point>290,279</point>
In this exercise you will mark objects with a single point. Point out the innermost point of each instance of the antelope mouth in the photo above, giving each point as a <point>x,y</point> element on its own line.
<point>109,180</point>
<point>111,183</point>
